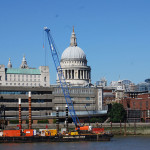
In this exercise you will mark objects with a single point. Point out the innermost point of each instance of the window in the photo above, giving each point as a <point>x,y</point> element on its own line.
<point>72,98</point>
<point>87,98</point>
<point>133,104</point>
<point>146,104</point>
<point>44,79</point>
<point>0,78</point>
<point>6,77</point>
<point>87,104</point>
<point>140,105</point>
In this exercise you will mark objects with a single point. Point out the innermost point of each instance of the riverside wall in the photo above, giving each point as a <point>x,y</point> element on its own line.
<point>115,128</point>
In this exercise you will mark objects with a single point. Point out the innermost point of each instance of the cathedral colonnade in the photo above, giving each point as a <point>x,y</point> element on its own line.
<point>76,74</point>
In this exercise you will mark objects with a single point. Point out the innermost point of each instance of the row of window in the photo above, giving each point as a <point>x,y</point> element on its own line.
<point>25,100</point>
<point>10,79</point>
<point>14,75</point>
<point>26,108</point>
<point>24,84</point>
<point>25,92</point>
<point>140,104</point>
<point>76,91</point>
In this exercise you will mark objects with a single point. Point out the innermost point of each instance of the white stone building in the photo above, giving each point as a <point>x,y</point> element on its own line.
<point>74,64</point>
<point>24,76</point>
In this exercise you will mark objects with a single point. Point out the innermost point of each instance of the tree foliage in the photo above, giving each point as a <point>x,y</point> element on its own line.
<point>117,113</point>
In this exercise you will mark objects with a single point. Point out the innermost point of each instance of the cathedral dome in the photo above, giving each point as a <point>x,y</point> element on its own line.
<point>73,52</point>
<point>74,65</point>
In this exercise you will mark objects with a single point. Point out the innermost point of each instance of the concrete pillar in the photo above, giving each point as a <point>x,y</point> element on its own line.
<point>86,74</point>
<point>83,74</point>
<point>35,121</point>
<point>50,121</point>
<point>71,73</point>
<point>80,74</point>
<point>67,74</point>
<point>23,121</point>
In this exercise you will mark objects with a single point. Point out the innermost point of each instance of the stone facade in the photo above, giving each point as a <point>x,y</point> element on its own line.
<point>24,76</point>
<point>89,97</point>
<point>41,99</point>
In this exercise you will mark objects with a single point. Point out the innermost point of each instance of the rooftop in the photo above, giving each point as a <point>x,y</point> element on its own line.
<point>22,71</point>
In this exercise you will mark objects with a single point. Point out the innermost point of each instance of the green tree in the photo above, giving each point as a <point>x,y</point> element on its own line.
<point>117,113</point>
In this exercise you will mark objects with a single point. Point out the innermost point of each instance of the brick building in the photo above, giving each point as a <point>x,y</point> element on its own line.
<point>138,101</point>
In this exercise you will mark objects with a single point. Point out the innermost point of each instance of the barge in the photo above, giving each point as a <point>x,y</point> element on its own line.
<point>57,138</point>
<point>51,135</point>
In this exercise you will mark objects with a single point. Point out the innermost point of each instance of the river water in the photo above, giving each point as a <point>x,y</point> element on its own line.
<point>116,143</point>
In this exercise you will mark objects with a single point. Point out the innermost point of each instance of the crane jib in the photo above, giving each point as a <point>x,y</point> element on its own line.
<point>63,83</point>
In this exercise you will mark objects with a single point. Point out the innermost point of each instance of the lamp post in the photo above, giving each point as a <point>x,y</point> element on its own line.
<point>66,121</point>
<point>57,119</point>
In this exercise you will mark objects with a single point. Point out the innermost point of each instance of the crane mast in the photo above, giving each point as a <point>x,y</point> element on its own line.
<point>62,80</point>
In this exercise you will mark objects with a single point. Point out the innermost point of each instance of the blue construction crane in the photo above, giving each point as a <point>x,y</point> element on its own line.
<point>62,80</point>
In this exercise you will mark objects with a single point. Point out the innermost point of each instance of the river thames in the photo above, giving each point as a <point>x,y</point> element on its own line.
<point>116,143</point>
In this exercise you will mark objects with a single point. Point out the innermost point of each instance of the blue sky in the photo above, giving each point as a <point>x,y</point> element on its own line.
<point>114,34</point>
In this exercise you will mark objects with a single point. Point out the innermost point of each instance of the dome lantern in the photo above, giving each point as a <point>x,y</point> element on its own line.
<point>73,40</point>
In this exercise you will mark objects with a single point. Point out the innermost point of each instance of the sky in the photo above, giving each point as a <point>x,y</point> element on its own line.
<point>114,34</point>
